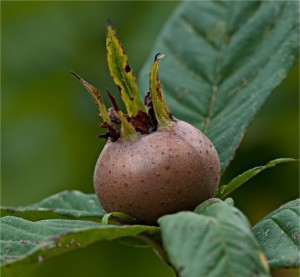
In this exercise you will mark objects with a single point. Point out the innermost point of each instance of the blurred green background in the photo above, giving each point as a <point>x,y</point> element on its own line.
<point>50,124</point>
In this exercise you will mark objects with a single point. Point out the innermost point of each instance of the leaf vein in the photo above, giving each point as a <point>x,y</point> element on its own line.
<point>188,25</point>
<point>181,62</point>
<point>282,227</point>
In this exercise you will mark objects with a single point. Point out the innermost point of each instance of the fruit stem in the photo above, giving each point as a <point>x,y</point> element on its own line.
<point>157,247</point>
<point>121,72</point>
<point>161,111</point>
<point>127,130</point>
<point>96,97</point>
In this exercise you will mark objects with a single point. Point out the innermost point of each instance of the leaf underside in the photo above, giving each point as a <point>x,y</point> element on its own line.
<point>223,59</point>
<point>25,243</point>
<point>214,241</point>
<point>65,205</point>
<point>278,236</point>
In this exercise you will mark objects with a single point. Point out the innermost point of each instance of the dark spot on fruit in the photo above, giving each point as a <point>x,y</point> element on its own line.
<point>162,187</point>
<point>142,181</point>
<point>216,179</point>
<point>210,145</point>
<point>157,174</point>
<point>206,151</point>
<point>167,167</point>
<point>127,68</point>
<point>145,192</point>
<point>168,181</point>
<point>189,171</point>
<point>126,184</point>
<point>188,153</point>
<point>162,153</point>
<point>211,167</point>
<point>124,175</point>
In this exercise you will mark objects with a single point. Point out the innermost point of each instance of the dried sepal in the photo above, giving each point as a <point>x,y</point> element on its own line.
<point>142,122</point>
<point>111,133</point>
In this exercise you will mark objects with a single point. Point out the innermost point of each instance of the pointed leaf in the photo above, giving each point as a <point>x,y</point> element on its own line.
<point>278,235</point>
<point>25,243</point>
<point>214,241</point>
<point>224,59</point>
<point>96,97</point>
<point>121,72</point>
<point>161,110</point>
<point>235,183</point>
<point>67,204</point>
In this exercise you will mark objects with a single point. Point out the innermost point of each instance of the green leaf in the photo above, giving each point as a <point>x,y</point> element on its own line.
<point>118,218</point>
<point>278,236</point>
<point>223,59</point>
<point>25,243</point>
<point>67,205</point>
<point>235,183</point>
<point>121,72</point>
<point>215,241</point>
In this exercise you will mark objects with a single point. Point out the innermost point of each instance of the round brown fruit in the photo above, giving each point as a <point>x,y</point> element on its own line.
<point>156,174</point>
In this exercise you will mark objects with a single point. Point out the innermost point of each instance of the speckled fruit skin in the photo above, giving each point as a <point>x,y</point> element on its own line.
<point>157,174</point>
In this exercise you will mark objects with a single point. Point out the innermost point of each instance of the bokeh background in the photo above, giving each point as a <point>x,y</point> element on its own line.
<point>50,124</point>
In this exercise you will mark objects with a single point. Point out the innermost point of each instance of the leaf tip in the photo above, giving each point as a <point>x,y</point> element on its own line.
<point>109,24</point>
<point>76,75</point>
<point>159,56</point>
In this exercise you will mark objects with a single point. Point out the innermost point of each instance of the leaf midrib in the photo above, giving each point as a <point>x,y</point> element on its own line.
<point>214,85</point>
